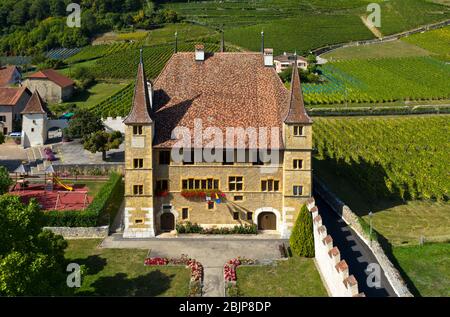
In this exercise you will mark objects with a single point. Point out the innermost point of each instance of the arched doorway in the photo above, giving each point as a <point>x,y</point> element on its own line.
<point>267,221</point>
<point>167,221</point>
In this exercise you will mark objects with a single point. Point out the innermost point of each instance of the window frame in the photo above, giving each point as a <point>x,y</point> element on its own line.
<point>139,191</point>
<point>298,130</point>
<point>138,130</point>
<point>140,164</point>
<point>235,183</point>
<point>294,187</point>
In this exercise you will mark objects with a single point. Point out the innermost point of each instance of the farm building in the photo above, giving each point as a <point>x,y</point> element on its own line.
<point>12,102</point>
<point>52,86</point>
<point>169,175</point>
<point>9,75</point>
<point>286,60</point>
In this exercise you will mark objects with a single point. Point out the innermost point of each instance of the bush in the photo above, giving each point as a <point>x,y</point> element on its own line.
<point>5,180</point>
<point>189,227</point>
<point>91,216</point>
<point>302,239</point>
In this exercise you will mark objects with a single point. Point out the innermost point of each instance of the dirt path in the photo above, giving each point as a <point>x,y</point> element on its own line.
<point>371,27</point>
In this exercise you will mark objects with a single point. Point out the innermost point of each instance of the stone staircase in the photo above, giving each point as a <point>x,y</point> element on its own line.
<point>36,159</point>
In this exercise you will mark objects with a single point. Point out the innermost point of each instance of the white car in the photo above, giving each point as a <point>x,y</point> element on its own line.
<point>15,134</point>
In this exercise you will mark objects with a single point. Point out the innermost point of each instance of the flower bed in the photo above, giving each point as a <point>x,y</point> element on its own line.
<point>202,194</point>
<point>195,284</point>
<point>189,227</point>
<point>229,274</point>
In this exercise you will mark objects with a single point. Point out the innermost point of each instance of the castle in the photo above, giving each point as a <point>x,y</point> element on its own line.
<point>261,174</point>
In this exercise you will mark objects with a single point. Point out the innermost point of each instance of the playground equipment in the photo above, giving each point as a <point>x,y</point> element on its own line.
<point>60,183</point>
<point>21,178</point>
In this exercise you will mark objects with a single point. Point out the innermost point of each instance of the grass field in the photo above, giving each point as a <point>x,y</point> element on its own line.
<point>398,221</point>
<point>426,268</point>
<point>121,272</point>
<point>294,277</point>
<point>95,94</point>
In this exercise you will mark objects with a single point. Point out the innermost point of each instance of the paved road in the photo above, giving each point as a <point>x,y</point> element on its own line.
<point>354,251</point>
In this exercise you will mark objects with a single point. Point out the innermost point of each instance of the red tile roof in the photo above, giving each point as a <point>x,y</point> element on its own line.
<point>9,96</point>
<point>226,90</point>
<point>6,75</point>
<point>35,105</point>
<point>141,102</point>
<point>53,76</point>
<point>297,112</point>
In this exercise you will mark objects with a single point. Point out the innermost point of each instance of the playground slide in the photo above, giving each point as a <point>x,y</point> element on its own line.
<point>60,183</point>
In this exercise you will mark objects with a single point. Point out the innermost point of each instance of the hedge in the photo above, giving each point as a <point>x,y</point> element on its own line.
<point>91,216</point>
<point>302,237</point>
<point>377,111</point>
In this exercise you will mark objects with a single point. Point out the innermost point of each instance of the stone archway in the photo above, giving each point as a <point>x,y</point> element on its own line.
<point>267,221</point>
<point>267,218</point>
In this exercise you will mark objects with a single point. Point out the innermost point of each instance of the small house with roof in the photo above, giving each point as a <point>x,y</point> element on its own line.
<point>12,102</point>
<point>169,175</point>
<point>286,60</point>
<point>52,86</point>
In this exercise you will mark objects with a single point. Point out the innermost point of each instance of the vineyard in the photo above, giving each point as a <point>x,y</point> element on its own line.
<point>436,41</point>
<point>405,157</point>
<point>97,51</point>
<point>381,80</point>
<point>123,64</point>
<point>117,105</point>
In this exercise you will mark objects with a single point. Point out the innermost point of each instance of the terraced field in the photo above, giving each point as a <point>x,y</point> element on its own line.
<point>381,80</point>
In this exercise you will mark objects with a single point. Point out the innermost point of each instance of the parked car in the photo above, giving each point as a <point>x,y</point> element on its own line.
<point>15,134</point>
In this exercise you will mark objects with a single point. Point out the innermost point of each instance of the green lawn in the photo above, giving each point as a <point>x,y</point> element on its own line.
<point>399,222</point>
<point>294,277</point>
<point>426,268</point>
<point>95,94</point>
<point>121,272</point>
<point>93,186</point>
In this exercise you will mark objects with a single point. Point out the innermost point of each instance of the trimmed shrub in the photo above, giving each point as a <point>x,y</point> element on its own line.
<point>91,216</point>
<point>302,239</point>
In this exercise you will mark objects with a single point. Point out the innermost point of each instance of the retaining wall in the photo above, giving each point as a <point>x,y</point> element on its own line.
<point>80,232</point>
<point>334,270</point>
<point>391,273</point>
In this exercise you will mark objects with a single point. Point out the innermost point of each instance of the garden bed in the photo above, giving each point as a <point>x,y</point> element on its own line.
<point>196,268</point>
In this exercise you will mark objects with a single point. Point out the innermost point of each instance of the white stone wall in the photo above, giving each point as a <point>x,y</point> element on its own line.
<point>334,270</point>
<point>114,124</point>
<point>132,231</point>
<point>33,129</point>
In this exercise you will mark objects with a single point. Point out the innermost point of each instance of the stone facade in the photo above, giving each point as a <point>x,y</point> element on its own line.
<point>50,91</point>
<point>155,182</point>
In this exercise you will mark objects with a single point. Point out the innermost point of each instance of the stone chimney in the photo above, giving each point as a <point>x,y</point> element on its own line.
<point>268,57</point>
<point>199,52</point>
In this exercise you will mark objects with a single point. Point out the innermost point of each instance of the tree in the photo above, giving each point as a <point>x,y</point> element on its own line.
<point>302,238</point>
<point>31,259</point>
<point>84,123</point>
<point>5,180</point>
<point>83,77</point>
<point>102,141</point>
<point>2,138</point>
